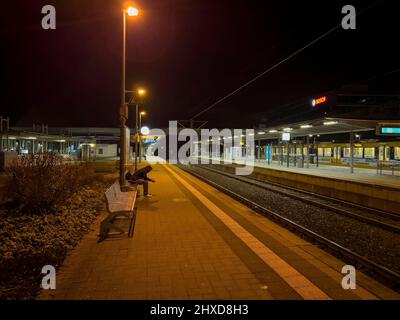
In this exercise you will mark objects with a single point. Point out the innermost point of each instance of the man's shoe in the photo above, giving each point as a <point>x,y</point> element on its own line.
<point>148,195</point>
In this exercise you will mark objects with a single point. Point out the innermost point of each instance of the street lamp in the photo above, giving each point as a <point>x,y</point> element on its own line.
<point>141,114</point>
<point>131,11</point>
<point>135,100</point>
<point>141,92</point>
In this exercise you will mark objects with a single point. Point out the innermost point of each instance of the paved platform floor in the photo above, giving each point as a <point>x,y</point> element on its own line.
<point>194,242</point>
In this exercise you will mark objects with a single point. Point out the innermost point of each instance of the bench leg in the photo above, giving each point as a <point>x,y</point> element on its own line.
<point>132,223</point>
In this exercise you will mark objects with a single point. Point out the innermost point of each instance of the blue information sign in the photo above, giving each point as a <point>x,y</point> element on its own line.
<point>388,130</point>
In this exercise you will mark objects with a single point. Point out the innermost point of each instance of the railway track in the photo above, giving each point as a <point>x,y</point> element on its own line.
<point>392,278</point>
<point>382,219</point>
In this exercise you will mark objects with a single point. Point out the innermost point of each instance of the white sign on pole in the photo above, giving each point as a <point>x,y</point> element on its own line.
<point>285,136</point>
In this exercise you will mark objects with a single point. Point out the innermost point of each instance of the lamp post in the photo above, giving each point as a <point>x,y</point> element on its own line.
<point>141,114</point>
<point>141,93</point>
<point>124,109</point>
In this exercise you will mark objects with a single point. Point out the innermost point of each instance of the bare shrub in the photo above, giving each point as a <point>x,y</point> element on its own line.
<point>40,182</point>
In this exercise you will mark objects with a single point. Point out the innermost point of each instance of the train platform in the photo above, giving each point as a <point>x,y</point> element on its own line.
<point>192,241</point>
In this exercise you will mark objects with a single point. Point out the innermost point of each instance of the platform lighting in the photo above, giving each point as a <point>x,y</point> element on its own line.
<point>251,134</point>
<point>330,123</point>
<point>272,131</point>
<point>132,11</point>
<point>236,137</point>
<point>260,132</point>
<point>287,129</point>
<point>306,126</point>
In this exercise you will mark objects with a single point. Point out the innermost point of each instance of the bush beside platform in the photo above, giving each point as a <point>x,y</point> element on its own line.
<point>39,227</point>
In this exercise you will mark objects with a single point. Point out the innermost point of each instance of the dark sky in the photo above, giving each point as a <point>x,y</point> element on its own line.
<point>188,54</point>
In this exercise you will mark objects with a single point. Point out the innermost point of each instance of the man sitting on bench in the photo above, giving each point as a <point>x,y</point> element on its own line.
<point>140,177</point>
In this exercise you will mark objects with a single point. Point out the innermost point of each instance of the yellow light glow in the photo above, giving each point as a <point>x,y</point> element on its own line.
<point>143,113</point>
<point>132,12</point>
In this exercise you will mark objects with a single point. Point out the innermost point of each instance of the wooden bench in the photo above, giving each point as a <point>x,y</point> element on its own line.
<point>119,204</point>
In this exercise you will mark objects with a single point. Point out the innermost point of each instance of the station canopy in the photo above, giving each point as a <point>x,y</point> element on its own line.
<point>321,126</point>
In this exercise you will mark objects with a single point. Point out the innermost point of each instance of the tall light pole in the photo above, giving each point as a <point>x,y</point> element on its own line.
<point>135,100</point>
<point>143,113</point>
<point>141,93</point>
<point>124,109</point>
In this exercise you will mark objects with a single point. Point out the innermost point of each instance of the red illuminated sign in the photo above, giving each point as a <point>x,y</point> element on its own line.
<point>319,100</point>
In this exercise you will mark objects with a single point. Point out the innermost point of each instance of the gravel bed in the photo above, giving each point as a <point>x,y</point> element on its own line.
<point>389,219</point>
<point>372,242</point>
<point>28,242</point>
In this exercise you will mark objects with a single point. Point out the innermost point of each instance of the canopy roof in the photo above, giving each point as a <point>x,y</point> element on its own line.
<point>321,126</point>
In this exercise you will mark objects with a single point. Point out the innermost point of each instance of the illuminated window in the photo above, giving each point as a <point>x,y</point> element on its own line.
<point>327,152</point>
<point>357,152</point>
<point>387,153</point>
<point>369,152</point>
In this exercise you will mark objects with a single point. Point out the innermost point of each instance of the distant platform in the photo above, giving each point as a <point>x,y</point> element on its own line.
<point>363,175</point>
<point>192,241</point>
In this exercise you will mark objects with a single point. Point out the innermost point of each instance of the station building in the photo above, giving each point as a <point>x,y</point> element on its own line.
<point>73,143</point>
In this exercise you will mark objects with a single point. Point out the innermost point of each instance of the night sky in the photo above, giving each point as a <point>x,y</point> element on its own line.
<point>188,54</point>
